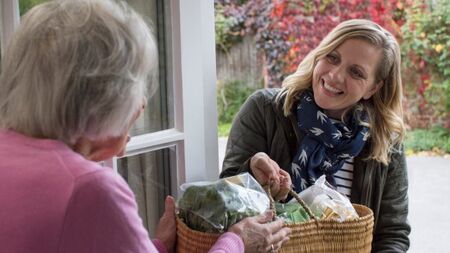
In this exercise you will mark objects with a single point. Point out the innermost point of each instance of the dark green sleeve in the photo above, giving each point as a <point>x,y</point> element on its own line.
<point>247,136</point>
<point>392,231</point>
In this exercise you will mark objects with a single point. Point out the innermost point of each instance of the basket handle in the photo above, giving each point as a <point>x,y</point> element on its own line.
<point>293,194</point>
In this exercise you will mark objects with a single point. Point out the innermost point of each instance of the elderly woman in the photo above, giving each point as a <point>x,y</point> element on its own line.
<point>73,82</point>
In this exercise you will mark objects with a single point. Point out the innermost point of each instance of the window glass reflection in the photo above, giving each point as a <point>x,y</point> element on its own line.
<point>158,114</point>
<point>149,176</point>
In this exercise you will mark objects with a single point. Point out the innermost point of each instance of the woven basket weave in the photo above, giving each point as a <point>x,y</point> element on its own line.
<point>314,236</point>
<point>326,236</point>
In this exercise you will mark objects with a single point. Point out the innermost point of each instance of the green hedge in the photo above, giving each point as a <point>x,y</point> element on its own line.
<point>435,139</point>
<point>230,97</point>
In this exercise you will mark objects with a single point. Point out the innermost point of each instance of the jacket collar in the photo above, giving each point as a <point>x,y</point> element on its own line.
<point>289,123</point>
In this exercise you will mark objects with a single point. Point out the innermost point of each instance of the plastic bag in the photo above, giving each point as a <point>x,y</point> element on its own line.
<point>327,203</point>
<point>214,206</point>
<point>291,213</point>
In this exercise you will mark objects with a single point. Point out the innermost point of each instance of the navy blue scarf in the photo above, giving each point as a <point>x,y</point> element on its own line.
<point>326,144</point>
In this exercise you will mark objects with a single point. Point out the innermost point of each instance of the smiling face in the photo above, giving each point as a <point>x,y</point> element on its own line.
<point>345,76</point>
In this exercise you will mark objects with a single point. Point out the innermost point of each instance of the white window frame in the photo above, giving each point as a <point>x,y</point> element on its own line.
<point>193,80</point>
<point>9,20</point>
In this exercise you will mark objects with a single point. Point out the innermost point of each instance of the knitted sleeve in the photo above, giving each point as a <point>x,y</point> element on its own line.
<point>228,243</point>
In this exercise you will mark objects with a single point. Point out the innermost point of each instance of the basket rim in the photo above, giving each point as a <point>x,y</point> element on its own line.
<point>364,220</point>
<point>313,233</point>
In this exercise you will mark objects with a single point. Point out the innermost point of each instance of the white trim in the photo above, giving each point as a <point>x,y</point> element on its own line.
<point>9,19</point>
<point>198,81</point>
<point>208,50</point>
<point>153,141</point>
<point>179,174</point>
<point>175,80</point>
<point>112,163</point>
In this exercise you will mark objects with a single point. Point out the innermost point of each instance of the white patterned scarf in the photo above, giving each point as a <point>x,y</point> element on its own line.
<point>326,144</point>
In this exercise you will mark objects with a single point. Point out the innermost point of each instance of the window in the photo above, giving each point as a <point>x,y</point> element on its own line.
<point>150,177</point>
<point>149,172</point>
<point>159,111</point>
<point>172,140</point>
<point>175,140</point>
<point>9,19</point>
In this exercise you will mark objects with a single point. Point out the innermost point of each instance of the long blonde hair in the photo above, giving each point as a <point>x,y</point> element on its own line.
<point>384,107</point>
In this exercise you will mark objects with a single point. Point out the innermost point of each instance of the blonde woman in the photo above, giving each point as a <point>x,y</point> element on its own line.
<point>73,82</point>
<point>339,115</point>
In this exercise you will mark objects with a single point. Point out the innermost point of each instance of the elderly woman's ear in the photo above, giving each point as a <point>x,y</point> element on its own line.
<point>99,150</point>
<point>105,148</point>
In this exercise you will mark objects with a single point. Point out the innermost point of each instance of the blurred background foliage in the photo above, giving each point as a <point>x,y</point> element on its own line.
<point>435,139</point>
<point>286,30</point>
<point>231,96</point>
<point>426,55</point>
<point>25,5</point>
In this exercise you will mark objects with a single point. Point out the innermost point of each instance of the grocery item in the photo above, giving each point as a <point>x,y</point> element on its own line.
<point>292,213</point>
<point>327,203</point>
<point>215,206</point>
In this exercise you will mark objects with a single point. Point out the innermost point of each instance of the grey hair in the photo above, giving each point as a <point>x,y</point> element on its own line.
<point>76,68</point>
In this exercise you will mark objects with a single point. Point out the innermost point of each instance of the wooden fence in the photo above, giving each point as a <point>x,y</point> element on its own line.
<point>242,62</point>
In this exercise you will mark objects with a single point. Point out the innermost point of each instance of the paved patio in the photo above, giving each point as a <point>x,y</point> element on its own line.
<point>429,210</point>
<point>429,213</point>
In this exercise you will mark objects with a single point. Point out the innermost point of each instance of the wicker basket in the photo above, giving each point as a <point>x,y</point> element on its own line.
<point>191,241</point>
<point>315,236</point>
<point>324,236</point>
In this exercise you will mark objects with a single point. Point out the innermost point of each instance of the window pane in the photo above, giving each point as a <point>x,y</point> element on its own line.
<point>159,111</point>
<point>149,176</point>
<point>158,114</point>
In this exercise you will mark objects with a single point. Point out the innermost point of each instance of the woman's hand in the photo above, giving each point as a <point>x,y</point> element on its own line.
<point>267,171</point>
<point>167,227</point>
<point>259,235</point>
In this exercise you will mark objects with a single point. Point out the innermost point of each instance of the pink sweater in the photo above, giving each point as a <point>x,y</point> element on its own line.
<point>54,200</point>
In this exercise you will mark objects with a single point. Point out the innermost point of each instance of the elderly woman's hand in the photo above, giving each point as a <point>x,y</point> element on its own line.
<point>267,171</point>
<point>167,227</point>
<point>260,235</point>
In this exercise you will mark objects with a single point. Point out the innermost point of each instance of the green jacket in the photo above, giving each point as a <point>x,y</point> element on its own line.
<point>260,126</point>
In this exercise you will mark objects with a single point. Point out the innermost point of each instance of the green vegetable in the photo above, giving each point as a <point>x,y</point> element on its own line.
<point>215,207</point>
<point>292,213</point>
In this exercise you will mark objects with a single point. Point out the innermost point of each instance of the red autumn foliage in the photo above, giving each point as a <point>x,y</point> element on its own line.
<point>287,30</point>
